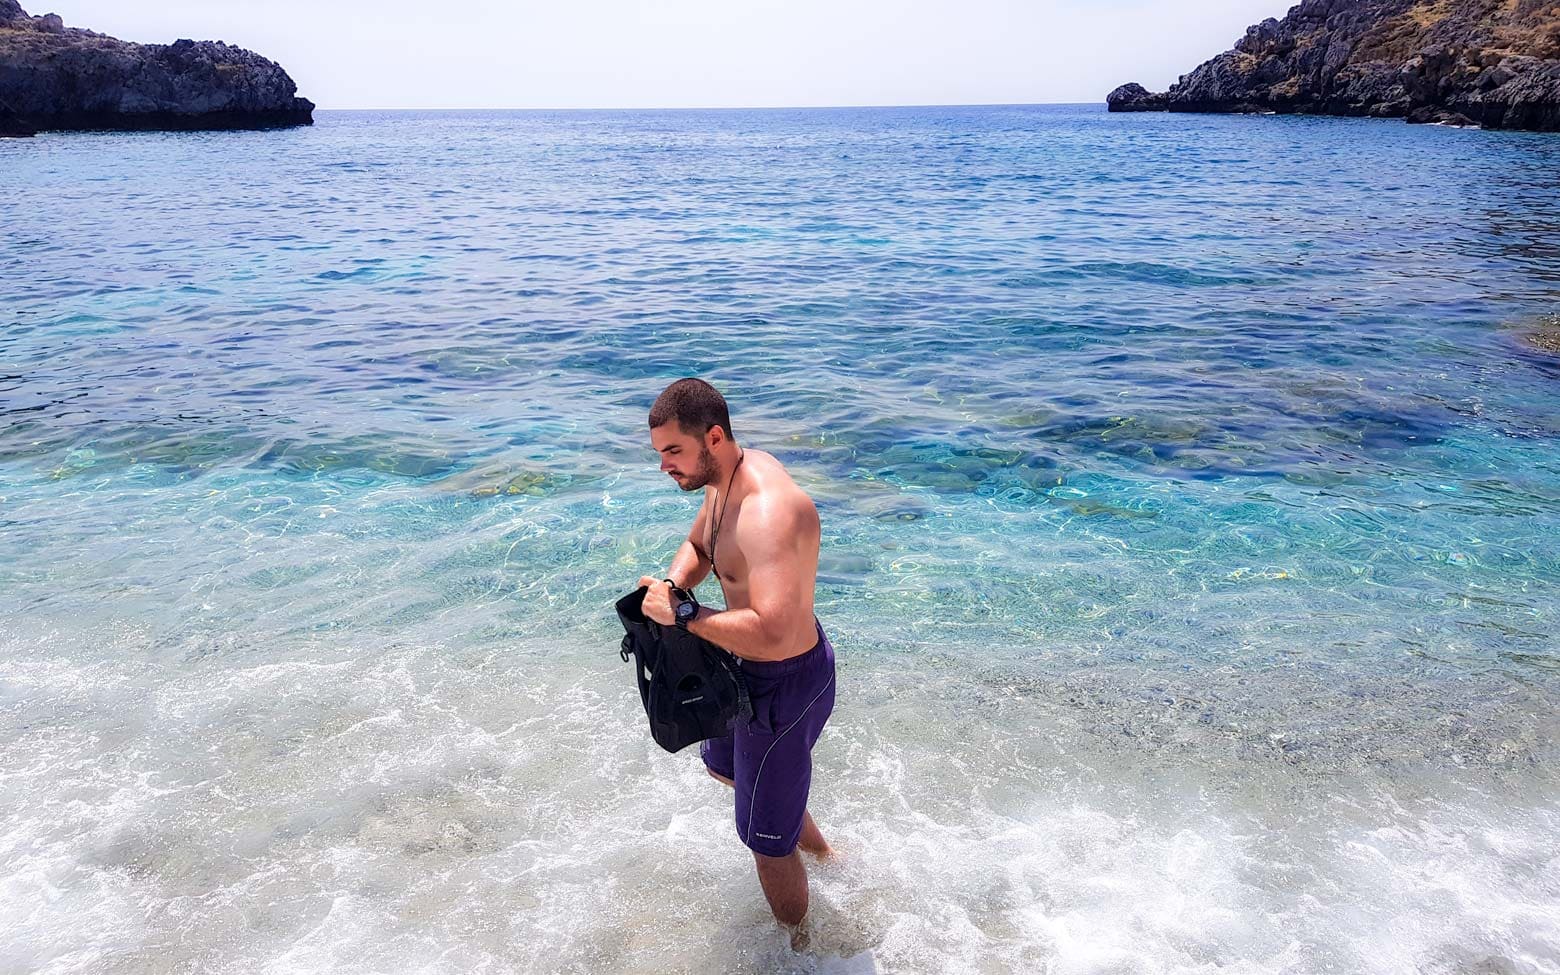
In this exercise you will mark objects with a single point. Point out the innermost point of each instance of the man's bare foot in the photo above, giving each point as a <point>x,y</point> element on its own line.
<point>801,935</point>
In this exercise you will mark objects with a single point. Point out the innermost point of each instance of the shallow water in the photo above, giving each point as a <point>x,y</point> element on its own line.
<point>1190,490</point>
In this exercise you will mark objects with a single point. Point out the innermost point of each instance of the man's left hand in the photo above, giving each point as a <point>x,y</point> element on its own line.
<point>658,601</point>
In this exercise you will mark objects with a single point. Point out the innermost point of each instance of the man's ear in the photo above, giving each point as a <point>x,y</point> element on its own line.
<point>714,436</point>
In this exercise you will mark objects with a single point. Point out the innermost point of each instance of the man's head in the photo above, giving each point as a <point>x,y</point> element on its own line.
<point>689,427</point>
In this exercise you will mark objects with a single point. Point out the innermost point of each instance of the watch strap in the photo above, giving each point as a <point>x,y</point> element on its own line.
<point>686,600</point>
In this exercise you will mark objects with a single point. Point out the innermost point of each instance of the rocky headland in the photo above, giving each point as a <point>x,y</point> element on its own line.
<point>1494,63</point>
<point>58,77</point>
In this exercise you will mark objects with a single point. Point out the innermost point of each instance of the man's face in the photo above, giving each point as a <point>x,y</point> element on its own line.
<point>685,457</point>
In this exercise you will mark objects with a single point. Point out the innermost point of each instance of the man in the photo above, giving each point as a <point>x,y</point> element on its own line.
<point>757,531</point>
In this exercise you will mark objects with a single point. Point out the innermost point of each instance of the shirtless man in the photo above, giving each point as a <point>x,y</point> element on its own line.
<point>758,532</point>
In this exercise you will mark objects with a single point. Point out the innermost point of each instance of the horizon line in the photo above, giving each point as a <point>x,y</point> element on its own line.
<point>692,108</point>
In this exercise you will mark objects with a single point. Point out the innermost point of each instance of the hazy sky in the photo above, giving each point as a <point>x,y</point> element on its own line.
<point>687,53</point>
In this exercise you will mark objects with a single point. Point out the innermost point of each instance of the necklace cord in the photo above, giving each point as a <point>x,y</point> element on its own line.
<point>721,516</point>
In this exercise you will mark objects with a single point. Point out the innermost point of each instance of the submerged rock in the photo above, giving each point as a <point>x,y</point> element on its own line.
<point>1458,62</point>
<point>58,77</point>
<point>506,480</point>
<point>1546,336</point>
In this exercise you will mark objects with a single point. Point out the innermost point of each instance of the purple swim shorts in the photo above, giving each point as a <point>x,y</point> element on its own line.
<point>770,757</point>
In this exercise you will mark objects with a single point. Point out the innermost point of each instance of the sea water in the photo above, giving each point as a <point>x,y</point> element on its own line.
<point>1190,491</point>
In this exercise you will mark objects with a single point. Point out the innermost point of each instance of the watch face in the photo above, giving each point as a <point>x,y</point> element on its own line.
<point>686,610</point>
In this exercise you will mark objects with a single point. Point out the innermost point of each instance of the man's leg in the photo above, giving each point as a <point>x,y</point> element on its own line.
<point>812,837</point>
<point>771,771</point>
<point>784,880</point>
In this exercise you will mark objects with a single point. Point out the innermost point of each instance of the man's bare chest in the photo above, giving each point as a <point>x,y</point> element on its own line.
<point>724,541</point>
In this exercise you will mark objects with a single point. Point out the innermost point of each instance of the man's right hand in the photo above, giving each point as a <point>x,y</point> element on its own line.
<point>657,604</point>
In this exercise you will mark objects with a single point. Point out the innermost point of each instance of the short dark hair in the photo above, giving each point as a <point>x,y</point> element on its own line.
<point>695,405</point>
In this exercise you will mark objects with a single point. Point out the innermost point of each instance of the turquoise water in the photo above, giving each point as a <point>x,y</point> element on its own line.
<point>1190,491</point>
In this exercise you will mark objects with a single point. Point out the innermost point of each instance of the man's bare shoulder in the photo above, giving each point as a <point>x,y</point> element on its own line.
<point>779,491</point>
<point>772,475</point>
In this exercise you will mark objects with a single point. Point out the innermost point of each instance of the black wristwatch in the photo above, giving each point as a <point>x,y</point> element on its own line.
<point>687,608</point>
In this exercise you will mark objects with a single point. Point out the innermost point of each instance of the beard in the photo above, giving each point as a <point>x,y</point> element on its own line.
<point>704,473</point>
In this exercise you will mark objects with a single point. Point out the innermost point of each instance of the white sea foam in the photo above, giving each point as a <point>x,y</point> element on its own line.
<point>357,809</point>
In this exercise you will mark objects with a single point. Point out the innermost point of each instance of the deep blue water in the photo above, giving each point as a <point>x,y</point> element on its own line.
<point>1190,491</point>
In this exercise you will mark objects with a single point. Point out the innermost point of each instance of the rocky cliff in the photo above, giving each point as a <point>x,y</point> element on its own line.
<point>1494,63</point>
<point>58,77</point>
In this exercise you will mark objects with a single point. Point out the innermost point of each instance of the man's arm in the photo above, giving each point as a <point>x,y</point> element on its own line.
<point>689,566</point>
<point>776,584</point>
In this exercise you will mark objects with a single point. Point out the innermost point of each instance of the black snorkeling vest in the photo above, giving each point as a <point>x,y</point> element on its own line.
<point>691,689</point>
